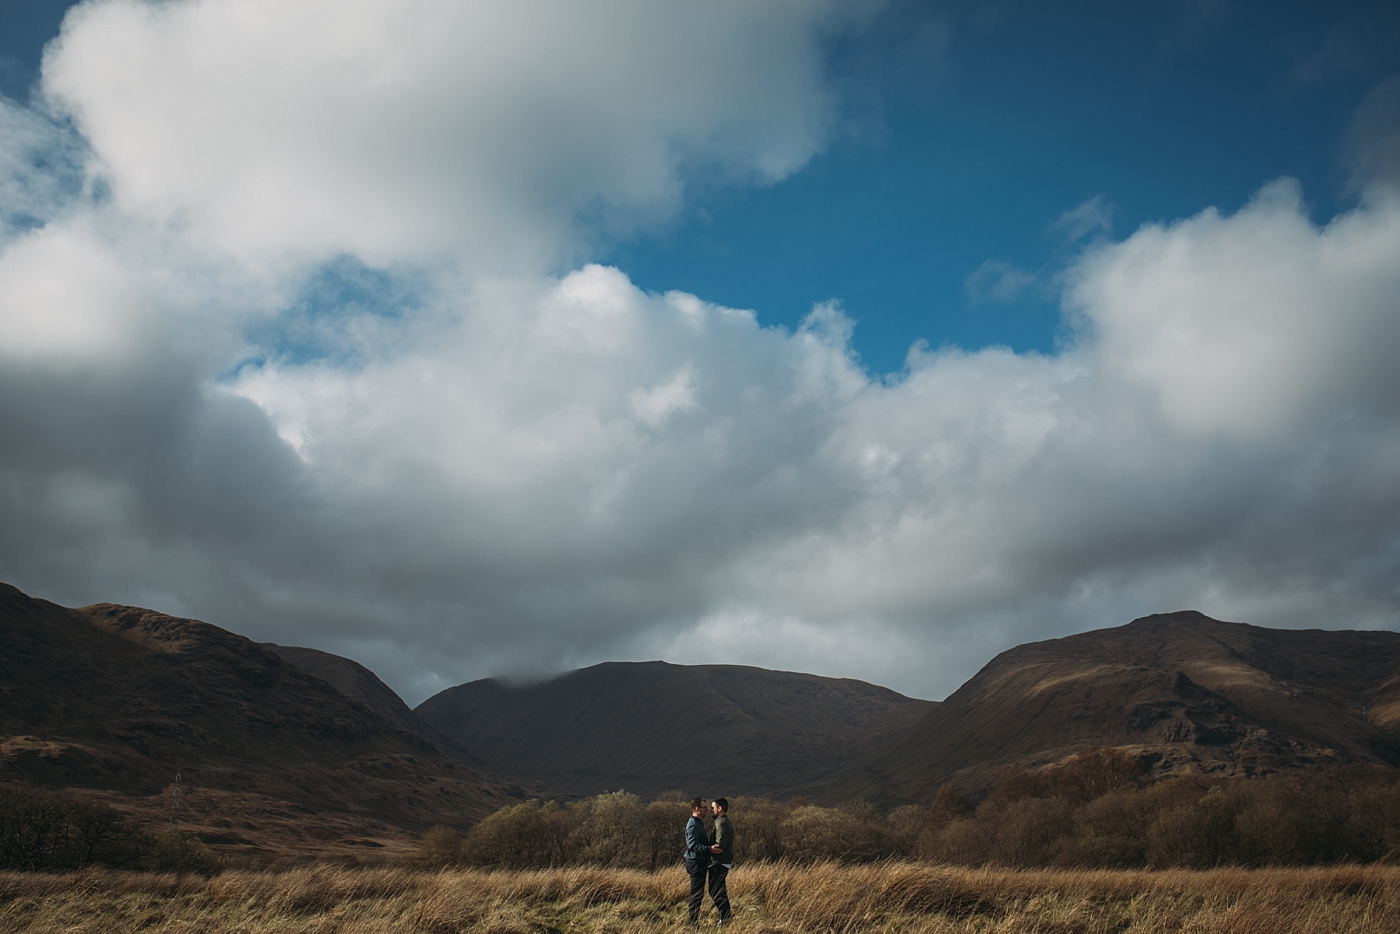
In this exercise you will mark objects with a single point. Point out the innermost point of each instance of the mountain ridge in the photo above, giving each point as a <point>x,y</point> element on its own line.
<point>1185,691</point>
<point>118,700</point>
<point>363,686</point>
<point>654,726</point>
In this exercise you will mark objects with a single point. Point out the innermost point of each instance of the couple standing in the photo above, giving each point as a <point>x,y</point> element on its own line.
<point>709,858</point>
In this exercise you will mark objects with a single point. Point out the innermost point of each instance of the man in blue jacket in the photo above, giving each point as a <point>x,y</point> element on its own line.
<point>697,856</point>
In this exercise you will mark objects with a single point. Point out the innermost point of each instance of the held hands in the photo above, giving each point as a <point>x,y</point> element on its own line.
<point>715,849</point>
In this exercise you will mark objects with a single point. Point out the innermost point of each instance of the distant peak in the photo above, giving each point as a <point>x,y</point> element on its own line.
<point>1176,616</point>
<point>647,664</point>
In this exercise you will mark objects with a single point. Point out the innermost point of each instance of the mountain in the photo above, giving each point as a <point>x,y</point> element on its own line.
<point>353,680</point>
<point>120,699</point>
<point>651,726</point>
<point>287,751</point>
<point>1188,692</point>
<point>360,684</point>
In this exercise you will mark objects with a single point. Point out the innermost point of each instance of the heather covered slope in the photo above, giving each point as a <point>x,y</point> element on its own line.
<point>120,699</point>
<point>352,679</point>
<point>1190,692</point>
<point>360,684</point>
<point>652,726</point>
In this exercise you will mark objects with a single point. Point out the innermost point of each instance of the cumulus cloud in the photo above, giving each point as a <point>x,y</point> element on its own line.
<point>503,133</point>
<point>297,356</point>
<point>1277,323</point>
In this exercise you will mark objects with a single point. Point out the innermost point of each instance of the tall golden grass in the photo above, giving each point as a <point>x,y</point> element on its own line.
<point>890,898</point>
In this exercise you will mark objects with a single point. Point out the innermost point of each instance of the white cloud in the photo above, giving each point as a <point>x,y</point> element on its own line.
<point>40,169</point>
<point>998,281</point>
<point>498,133</point>
<point>1092,217</point>
<point>1252,324</point>
<point>481,466</point>
<point>653,406</point>
<point>66,293</point>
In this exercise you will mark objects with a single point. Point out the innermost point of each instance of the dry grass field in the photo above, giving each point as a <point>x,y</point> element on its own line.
<point>767,898</point>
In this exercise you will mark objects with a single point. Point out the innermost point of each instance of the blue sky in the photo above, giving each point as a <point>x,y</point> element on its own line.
<point>990,127</point>
<point>512,336</point>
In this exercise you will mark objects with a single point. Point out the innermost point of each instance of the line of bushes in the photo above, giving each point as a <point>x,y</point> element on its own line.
<point>52,831</point>
<point>1099,809</point>
<point>1052,819</point>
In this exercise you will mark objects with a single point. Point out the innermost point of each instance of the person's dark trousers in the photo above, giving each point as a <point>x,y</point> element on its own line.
<point>718,892</point>
<point>697,888</point>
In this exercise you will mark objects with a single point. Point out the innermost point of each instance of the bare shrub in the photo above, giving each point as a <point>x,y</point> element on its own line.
<point>1296,820</point>
<point>522,836</point>
<point>758,829</point>
<point>813,834</point>
<point>948,805</point>
<point>1109,832</point>
<point>1195,835</point>
<point>1095,772</point>
<point>1029,832</point>
<point>1374,822</point>
<point>963,842</point>
<point>440,847</point>
<point>612,833</point>
<point>903,828</point>
<point>55,831</point>
<point>663,824</point>
<point>1095,810</point>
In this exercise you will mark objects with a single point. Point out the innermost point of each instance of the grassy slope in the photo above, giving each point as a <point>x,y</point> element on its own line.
<point>117,699</point>
<point>1196,693</point>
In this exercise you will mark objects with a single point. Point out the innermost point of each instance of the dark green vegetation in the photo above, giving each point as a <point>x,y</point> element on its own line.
<point>651,726</point>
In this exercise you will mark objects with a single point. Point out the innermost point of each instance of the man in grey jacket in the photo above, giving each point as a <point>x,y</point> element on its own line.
<point>697,856</point>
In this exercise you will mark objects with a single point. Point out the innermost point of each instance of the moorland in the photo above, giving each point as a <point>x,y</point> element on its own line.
<point>768,899</point>
<point>1174,773</point>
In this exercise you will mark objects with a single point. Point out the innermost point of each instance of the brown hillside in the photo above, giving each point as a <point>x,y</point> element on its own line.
<point>652,726</point>
<point>120,699</point>
<point>360,684</point>
<point>1190,692</point>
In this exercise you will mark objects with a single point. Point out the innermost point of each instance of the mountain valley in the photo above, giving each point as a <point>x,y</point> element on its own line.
<point>287,752</point>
